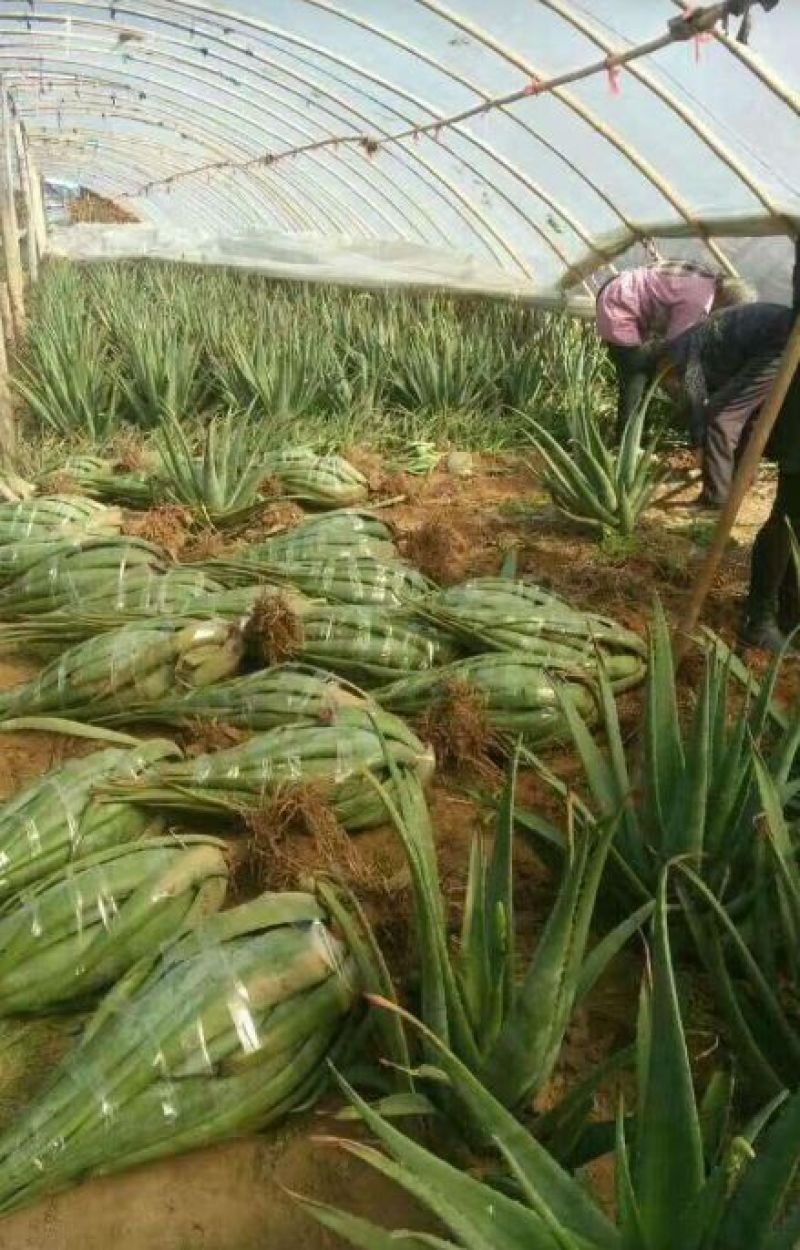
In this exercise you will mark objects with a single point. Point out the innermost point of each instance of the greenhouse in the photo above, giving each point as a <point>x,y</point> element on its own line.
<point>399,604</point>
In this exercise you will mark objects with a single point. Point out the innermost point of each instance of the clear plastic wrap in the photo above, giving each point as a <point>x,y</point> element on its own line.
<point>228,1030</point>
<point>100,677</point>
<point>335,757</point>
<point>505,615</point>
<point>518,693</point>
<point>77,932</point>
<point>57,819</point>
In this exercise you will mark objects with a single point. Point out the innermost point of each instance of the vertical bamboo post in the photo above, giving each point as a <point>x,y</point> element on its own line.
<point>9,229</point>
<point>37,198</point>
<point>6,320</point>
<point>8,432</point>
<point>23,174</point>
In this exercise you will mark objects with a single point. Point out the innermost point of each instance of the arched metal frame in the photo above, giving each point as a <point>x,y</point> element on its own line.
<point>277,129</point>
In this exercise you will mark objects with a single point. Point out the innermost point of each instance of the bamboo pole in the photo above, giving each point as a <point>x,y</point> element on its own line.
<point>8,439</point>
<point>6,319</point>
<point>742,482</point>
<point>9,229</point>
<point>37,197</point>
<point>23,175</point>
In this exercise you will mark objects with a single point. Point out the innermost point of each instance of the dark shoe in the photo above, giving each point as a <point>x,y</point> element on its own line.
<point>762,633</point>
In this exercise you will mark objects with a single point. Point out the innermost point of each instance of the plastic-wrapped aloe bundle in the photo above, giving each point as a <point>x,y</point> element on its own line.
<point>56,819</point>
<point>504,615</point>
<point>346,533</point>
<point>517,694</point>
<point>334,758</point>
<point>141,594</point>
<point>48,518</point>
<point>228,1031</point>
<point>324,481</point>
<point>99,678</point>
<point>69,576</point>
<point>355,578</point>
<point>286,694</point>
<point>101,479</point>
<point>80,930</point>
<point>37,528</point>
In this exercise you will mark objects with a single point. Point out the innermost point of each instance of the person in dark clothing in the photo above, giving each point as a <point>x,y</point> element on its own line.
<point>728,365</point>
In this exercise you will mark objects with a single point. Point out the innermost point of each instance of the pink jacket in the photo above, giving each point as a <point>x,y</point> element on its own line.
<point>662,300</point>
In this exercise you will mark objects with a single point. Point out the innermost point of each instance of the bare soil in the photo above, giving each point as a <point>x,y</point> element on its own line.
<point>235,1197</point>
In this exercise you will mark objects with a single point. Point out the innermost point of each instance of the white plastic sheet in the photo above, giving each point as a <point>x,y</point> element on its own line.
<point>317,139</point>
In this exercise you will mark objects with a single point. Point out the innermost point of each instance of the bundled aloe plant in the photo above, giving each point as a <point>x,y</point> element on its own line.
<point>682,1179</point>
<point>56,819</point>
<point>41,527</point>
<point>338,757</point>
<point>503,614</point>
<point>593,485</point>
<point>367,643</point>
<point>99,678</point>
<point>102,480</point>
<point>284,694</point>
<point>316,541</point>
<point>694,794</point>
<point>515,693</point>
<point>327,481</point>
<point>78,931</point>
<point>71,574</point>
<point>228,1030</point>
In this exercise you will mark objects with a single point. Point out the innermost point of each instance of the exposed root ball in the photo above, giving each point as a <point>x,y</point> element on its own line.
<point>274,629</point>
<point>167,526</point>
<point>297,837</point>
<point>278,516</point>
<point>60,483</point>
<point>207,544</point>
<point>202,737</point>
<point>129,454</point>
<point>458,728</point>
<point>439,550</point>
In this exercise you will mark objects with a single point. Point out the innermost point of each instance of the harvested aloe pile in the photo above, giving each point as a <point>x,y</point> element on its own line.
<point>78,931</point>
<point>102,676</point>
<point>227,1031</point>
<point>57,819</point>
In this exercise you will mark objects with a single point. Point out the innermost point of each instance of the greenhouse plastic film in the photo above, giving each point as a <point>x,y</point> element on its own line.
<point>226,1031</point>
<point>73,934</point>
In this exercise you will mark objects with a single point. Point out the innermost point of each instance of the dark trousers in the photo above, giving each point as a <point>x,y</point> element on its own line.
<point>634,370</point>
<point>773,576</point>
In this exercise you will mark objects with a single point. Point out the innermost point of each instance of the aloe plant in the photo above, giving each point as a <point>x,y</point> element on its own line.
<point>507,1029</point>
<point>681,1179</point>
<point>588,482</point>
<point>66,378</point>
<point>693,793</point>
<point>753,961</point>
<point>224,482</point>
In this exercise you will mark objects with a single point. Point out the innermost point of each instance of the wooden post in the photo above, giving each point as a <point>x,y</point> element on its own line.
<point>9,229</point>
<point>6,319</point>
<point>37,198</point>
<point>742,482</point>
<point>23,172</point>
<point>8,431</point>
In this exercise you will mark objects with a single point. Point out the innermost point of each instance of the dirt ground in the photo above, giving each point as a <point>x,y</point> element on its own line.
<point>235,1197</point>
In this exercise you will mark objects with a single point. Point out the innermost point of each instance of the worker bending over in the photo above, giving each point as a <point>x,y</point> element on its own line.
<point>651,304</point>
<point>727,365</point>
